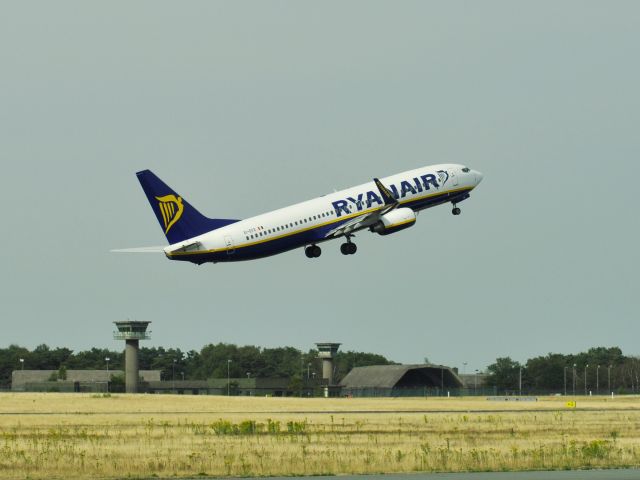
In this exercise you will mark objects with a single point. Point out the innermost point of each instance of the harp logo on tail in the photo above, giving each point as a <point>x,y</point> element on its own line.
<point>171,209</point>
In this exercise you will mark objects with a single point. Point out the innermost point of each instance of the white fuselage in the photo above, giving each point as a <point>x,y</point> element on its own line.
<point>308,222</point>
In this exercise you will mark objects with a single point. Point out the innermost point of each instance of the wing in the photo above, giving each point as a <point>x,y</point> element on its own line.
<point>369,218</point>
<point>357,223</point>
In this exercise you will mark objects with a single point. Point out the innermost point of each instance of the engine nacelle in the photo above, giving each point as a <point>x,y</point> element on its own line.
<point>394,221</point>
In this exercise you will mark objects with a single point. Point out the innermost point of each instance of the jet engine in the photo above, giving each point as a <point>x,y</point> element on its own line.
<point>394,221</point>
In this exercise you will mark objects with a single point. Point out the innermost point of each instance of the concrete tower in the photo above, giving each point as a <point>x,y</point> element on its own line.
<point>131,333</point>
<point>327,352</point>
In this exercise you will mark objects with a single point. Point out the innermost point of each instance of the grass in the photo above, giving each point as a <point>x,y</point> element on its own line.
<point>83,436</point>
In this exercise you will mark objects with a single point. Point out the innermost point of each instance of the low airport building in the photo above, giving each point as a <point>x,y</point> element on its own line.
<point>271,387</point>
<point>73,381</point>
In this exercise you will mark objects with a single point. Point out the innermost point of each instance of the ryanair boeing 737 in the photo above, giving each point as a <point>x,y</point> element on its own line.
<point>382,206</point>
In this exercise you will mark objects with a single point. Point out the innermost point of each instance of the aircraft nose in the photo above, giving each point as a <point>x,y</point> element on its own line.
<point>479,176</point>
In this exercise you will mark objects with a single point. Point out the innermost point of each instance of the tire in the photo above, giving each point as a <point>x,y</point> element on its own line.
<point>456,211</point>
<point>309,252</point>
<point>316,251</point>
<point>344,249</point>
<point>353,248</point>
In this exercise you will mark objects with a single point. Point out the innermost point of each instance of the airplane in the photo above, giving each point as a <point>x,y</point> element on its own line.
<point>383,206</point>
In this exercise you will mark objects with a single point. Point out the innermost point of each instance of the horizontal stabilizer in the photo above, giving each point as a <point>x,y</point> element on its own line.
<point>139,250</point>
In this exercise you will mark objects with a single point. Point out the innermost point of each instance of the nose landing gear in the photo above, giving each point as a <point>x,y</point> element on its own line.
<point>456,210</point>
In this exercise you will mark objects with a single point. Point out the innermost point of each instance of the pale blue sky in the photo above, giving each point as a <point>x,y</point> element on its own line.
<point>244,107</point>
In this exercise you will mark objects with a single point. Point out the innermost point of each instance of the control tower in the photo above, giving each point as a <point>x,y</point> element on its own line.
<point>131,332</point>
<point>327,352</point>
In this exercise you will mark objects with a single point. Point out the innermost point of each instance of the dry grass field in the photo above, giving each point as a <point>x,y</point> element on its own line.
<point>84,436</point>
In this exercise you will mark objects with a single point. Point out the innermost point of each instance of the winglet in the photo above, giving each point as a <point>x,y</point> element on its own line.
<point>387,196</point>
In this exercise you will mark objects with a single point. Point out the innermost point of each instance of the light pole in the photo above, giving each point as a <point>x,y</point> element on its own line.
<point>609,378</point>
<point>565,380</point>
<point>173,374</point>
<point>464,368</point>
<point>248,374</point>
<point>308,367</point>
<point>182,376</point>
<point>597,379</point>
<point>301,373</point>
<point>228,376</point>
<point>585,379</point>
<point>22,363</point>
<point>574,379</point>
<point>475,389</point>
<point>106,359</point>
<point>441,380</point>
<point>520,382</point>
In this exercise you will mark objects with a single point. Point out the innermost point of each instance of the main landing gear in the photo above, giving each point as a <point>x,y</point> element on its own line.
<point>348,248</point>
<point>456,210</point>
<point>312,251</point>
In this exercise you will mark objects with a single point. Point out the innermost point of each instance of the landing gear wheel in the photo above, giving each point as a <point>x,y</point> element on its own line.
<point>456,211</point>
<point>312,251</point>
<point>348,248</point>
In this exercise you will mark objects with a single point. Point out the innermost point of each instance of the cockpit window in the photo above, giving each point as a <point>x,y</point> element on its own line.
<point>465,170</point>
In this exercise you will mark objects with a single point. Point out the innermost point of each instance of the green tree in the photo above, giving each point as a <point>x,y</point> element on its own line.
<point>10,361</point>
<point>547,373</point>
<point>504,374</point>
<point>346,361</point>
<point>94,359</point>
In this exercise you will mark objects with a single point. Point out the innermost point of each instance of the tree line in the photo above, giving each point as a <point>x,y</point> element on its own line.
<point>212,361</point>
<point>598,370</point>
